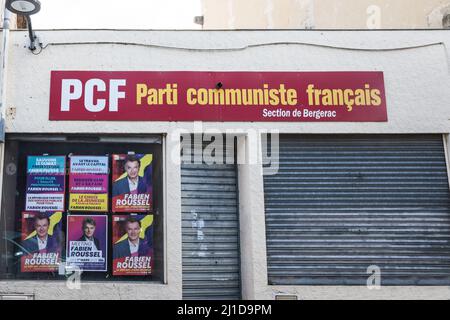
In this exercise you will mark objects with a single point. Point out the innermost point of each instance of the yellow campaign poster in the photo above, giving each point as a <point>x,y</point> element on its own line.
<point>88,202</point>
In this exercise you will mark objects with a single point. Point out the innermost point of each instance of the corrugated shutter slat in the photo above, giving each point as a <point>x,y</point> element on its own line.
<point>210,232</point>
<point>342,203</point>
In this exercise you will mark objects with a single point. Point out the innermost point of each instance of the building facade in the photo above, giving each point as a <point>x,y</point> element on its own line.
<point>355,209</point>
<point>325,14</point>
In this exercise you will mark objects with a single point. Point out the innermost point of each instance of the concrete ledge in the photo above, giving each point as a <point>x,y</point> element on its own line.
<point>359,292</point>
<point>58,290</point>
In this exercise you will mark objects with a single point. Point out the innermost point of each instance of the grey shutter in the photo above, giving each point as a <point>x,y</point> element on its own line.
<point>210,232</point>
<point>342,203</point>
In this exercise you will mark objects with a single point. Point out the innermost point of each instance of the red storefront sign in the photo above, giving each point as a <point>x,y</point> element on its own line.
<point>217,96</point>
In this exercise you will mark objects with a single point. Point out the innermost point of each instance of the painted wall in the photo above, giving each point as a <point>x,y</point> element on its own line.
<point>417,78</point>
<point>257,14</point>
<point>415,66</point>
<point>378,14</point>
<point>324,14</point>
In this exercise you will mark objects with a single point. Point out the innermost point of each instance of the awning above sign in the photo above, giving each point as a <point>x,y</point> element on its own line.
<point>217,96</point>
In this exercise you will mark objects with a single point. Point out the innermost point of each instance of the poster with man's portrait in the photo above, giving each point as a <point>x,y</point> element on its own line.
<point>132,245</point>
<point>42,241</point>
<point>132,183</point>
<point>87,242</point>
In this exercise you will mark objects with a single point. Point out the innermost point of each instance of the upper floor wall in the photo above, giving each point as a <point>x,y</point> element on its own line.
<point>325,14</point>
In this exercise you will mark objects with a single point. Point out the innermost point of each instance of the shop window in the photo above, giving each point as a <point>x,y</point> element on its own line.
<point>82,204</point>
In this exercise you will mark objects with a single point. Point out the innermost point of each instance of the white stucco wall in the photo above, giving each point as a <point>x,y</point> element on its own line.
<point>416,68</point>
<point>324,14</point>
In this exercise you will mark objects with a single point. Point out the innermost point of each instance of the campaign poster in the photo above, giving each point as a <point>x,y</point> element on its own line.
<point>132,245</point>
<point>45,183</point>
<point>132,183</point>
<point>42,241</point>
<point>88,183</point>
<point>87,242</point>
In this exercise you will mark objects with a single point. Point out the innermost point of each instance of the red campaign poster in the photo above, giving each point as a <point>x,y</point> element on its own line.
<point>132,245</point>
<point>132,183</point>
<point>42,241</point>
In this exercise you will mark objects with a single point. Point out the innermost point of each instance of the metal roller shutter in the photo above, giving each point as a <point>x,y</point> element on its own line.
<point>342,203</point>
<point>210,229</point>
